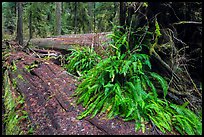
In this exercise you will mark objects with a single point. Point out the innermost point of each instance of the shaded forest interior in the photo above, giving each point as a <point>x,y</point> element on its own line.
<point>89,58</point>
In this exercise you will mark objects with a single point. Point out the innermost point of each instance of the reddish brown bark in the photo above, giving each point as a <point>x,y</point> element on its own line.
<point>47,89</point>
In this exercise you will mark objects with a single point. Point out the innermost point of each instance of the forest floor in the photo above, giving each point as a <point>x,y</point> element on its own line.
<point>48,89</point>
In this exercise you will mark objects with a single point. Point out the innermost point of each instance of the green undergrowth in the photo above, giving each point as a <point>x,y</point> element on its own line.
<point>81,60</point>
<point>14,109</point>
<point>123,85</point>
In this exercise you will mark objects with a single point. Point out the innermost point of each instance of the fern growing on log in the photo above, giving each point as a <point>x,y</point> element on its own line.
<point>123,85</point>
<point>81,60</point>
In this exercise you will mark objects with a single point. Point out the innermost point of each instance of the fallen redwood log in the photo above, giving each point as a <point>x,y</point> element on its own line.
<point>48,91</point>
<point>64,42</point>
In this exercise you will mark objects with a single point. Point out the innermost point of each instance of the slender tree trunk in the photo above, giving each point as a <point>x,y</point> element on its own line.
<point>130,12</point>
<point>122,29</point>
<point>115,9</point>
<point>30,24</point>
<point>75,18</point>
<point>19,37</point>
<point>2,30</point>
<point>91,16</point>
<point>94,17</point>
<point>58,18</point>
<point>122,15</point>
<point>122,22</point>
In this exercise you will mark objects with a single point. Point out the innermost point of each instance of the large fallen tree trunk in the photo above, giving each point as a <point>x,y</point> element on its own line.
<point>65,42</point>
<point>48,91</point>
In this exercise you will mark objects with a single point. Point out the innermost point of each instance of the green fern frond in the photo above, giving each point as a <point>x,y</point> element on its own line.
<point>90,108</point>
<point>81,60</point>
<point>161,80</point>
<point>132,90</point>
<point>144,58</point>
<point>190,118</point>
<point>151,85</point>
<point>137,125</point>
<point>133,98</point>
<point>125,66</point>
<point>156,122</point>
<point>99,105</point>
<point>138,86</point>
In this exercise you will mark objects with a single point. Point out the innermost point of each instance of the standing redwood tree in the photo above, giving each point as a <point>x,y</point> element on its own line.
<point>58,18</point>
<point>19,37</point>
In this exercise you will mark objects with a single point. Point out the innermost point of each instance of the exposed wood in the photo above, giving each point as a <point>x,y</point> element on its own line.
<point>65,42</point>
<point>45,51</point>
<point>48,91</point>
<point>188,22</point>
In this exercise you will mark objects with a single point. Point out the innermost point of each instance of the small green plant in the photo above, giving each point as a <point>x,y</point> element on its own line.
<point>81,60</point>
<point>33,65</point>
<point>20,77</point>
<point>13,112</point>
<point>145,4</point>
<point>157,35</point>
<point>123,85</point>
<point>14,67</point>
<point>30,131</point>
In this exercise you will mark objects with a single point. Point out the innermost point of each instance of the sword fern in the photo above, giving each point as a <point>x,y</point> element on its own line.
<point>123,85</point>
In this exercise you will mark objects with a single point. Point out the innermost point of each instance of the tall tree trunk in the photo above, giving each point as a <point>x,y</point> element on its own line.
<point>2,29</point>
<point>90,15</point>
<point>122,15</point>
<point>58,18</point>
<point>122,29</point>
<point>94,17</point>
<point>115,9</point>
<point>122,22</point>
<point>19,37</point>
<point>130,12</point>
<point>30,24</point>
<point>75,17</point>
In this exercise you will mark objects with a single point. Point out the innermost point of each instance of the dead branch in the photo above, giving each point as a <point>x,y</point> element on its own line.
<point>188,22</point>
